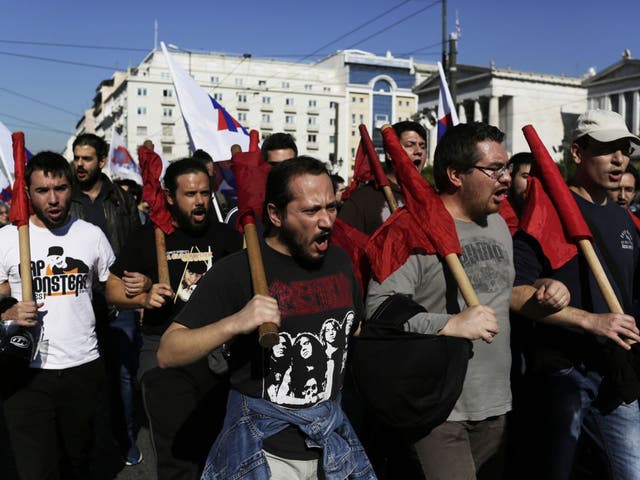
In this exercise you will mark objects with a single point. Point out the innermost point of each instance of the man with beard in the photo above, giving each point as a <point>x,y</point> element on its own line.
<point>50,403</point>
<point>174,398</point>
<point>293,434</point>
<point>99,201</point>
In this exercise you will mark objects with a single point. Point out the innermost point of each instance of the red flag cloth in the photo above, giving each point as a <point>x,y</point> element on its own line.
<point>353,241</point>
<point>19,213</point>
<point>367,166</point>
<point>152,192</point>
<point>636,220</point>
<point>540,219</point>
<point>250,170</point>
<point>509,214</point>
<point>428,228</point>
<point>547,171</point>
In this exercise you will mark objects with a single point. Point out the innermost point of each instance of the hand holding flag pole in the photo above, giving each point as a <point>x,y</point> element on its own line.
<point>418,193</point>
<point>570,215</point>
<point>251,169</point>
<point>19,214</point>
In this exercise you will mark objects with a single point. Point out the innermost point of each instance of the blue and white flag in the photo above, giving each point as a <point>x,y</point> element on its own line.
<point>447,115</point>
<point>211,128</point>
<point>121,163</point>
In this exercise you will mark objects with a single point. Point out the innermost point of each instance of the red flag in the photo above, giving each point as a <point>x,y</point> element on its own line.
<point>636,220</point>
<point>509,214</point>
<point>540,219</point>
<point>547,201</point>
<point>250,170</point>
<point>19,213</point>
<point>426,228</point>
<point>353,241</point>
<point>152,192</point>
<point>367,166</point>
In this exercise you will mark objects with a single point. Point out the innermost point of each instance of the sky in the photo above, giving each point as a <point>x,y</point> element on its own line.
<point>45,99</point>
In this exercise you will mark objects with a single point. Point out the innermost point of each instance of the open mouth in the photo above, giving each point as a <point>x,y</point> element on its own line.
<point>615,175</point>
<point>500,195</point>
<point>199,214</point>
<point>322,242</point>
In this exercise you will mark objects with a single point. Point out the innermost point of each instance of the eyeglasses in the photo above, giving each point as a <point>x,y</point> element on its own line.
<point>496,173</point>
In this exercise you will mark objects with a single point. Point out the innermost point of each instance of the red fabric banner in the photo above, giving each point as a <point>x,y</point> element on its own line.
<point>152,192</point>
<point>426,227</point>
<point>636,220</point>
<point>251,171</point>
<point>19,213</point>
<point>353,241</point>
<point>509,214</point>
<point>367,167</point>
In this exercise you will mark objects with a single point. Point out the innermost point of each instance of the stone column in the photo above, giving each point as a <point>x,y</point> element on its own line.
<point>494,111</point>
<point>477,111</point>
<point>462,114</point>
<point>635,120</point>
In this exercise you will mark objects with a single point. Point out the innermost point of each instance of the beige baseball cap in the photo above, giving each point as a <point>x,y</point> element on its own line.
<point>603,126</point>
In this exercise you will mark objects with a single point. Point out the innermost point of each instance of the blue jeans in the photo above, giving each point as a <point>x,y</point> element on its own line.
<point>123,346</point>
<point>564,408</point>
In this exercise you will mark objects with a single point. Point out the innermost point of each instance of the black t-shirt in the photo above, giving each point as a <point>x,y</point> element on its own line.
<point>189,257</point>
<point>616,244</point>
<point>320,309</point>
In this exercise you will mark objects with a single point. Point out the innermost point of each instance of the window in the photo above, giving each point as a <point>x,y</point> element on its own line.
<point>332,121</point>
<point>262,83</point>
<point>361,118</point>
<point>288,101</point>
<point>326,89</point>
<point>167,130</point>
<point>289,119</point>
<point>312,121</point>
<point>361,99</point>
<point>266,118</point>
<point>333,104</point>
<point>353,119</point>
<point>167,92</point>
<point>142,110</point>
<point>313,103</point>
<point>407,103</point>
<point>353,99</point>
<point>217,97</point>
<point>242,98</point>
<point>141,130</point>
<point>266,100</point>
<point>353,152</point>
<point>167,149</point>
<point>242,116</point>
<point>353,133</point>
<point>215,79</point>
<point>238,82</point>
<point>167,112</point>
<point>142,92</point>
<point>332,139</point>
<point>308,87</point>
<point>285,85</point>
<point>312,138</point>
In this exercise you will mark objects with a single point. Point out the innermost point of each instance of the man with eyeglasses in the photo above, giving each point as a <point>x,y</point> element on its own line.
<point>580,351</point>
<point>472,176</point>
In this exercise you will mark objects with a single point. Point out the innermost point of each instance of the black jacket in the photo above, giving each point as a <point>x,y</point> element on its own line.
<point>120,212</point>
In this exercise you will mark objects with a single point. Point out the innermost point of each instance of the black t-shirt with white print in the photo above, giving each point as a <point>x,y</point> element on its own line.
<point>319,308</point>
<point>189,256</point>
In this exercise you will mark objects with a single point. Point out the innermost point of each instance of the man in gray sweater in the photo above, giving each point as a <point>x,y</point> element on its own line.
<point>472,176</point>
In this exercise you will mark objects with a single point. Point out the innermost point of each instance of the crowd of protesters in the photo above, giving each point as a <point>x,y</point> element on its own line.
<point>534,379</point>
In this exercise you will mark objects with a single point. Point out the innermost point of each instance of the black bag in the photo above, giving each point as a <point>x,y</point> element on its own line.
<point>409,381</point>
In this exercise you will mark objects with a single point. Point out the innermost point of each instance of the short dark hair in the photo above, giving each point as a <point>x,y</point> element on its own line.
<point>202,156</point>
<point>336,180</point>
<point>134,189</point>
<point>458,148</point>
<point>632,170</point>
<point>409,126</point>
<point>182,167</point>
<point>48,163</point>
<point>278,141</point>
<point>91,140</point>
<point>519,159</point>
<point>278,191</point>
